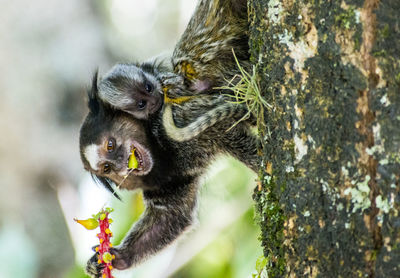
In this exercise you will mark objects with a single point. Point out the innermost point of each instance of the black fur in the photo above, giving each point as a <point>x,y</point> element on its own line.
<point>107,183</point>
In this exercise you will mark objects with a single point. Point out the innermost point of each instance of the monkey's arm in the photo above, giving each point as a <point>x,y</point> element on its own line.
<point>165,218</point>
<point>223,111</point>
<point>160,225</point>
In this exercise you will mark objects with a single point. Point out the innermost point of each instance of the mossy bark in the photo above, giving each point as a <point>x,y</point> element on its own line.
<point>329,198</point>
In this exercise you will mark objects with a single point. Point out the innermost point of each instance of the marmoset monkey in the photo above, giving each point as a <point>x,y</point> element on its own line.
<point>168,171</point>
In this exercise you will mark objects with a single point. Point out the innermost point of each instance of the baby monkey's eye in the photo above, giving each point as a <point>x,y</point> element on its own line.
<point>148,87</point>
<point>106,168</point>
<point>141,104</point>
<point>110,145</point>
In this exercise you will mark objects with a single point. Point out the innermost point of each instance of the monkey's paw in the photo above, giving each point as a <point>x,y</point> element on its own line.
<point>171,79</point>
<point>93,268</point>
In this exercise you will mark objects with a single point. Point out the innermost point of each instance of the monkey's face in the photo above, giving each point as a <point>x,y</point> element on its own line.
<point>107,139</point>
<point>132,89</point>
<point>109,153</point>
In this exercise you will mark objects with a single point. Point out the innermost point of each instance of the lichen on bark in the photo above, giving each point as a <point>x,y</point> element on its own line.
<point>329,200</point>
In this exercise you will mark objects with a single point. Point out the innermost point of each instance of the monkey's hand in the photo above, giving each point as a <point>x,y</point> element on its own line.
<point>93,268</point>
<point>171,79</point>
<point>166,217</point>
<point>176,94</point>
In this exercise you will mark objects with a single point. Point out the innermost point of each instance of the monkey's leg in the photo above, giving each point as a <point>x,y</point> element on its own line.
<point>242,144</point>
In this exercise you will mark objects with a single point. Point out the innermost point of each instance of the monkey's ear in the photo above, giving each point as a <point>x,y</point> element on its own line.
<point>95,78</point>
<point>93,94</point>
<point>107,183</point>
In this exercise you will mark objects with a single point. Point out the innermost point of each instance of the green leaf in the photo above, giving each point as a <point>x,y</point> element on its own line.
<point>260,264</point>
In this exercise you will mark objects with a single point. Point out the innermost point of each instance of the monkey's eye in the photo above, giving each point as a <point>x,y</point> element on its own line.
<point>110,145</point>
<point>148,87</point>
<point>141,104</point>
<point>106,168</point>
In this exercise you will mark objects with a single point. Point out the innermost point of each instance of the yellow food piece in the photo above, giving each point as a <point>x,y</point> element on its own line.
<point>89,223</point>
<point>133,162</point>
<point>107,257</point>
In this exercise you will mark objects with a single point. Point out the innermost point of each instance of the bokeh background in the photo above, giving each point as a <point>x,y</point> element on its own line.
<point>48,53</point>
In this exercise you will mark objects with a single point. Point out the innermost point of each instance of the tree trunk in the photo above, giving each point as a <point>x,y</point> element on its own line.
<point>329,198</point>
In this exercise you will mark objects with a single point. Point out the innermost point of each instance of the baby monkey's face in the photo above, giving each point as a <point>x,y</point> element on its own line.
<point>131,89</point>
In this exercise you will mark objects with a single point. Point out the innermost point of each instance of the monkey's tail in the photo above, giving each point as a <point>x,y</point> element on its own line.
<point>211,117</point>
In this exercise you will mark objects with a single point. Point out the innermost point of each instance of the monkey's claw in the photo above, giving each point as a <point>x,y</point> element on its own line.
<point>168,78</point>
<point>93,268</point>
<point>121,261</point>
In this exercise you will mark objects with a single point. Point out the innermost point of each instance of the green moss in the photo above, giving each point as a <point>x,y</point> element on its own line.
<point>394,158</point>
<point>272,219</point>
<point>397,78</point>
<point>346,19</point>
<point>357,43</point>
<point>379,53</point>
<point>384,33</point>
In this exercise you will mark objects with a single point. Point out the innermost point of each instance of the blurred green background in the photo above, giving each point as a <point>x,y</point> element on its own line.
<point>49,51</point>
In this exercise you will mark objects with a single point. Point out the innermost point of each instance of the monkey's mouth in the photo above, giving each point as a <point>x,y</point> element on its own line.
<point>139,160</point>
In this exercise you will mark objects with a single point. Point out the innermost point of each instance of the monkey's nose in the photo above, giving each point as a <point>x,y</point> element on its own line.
<point>154,105</point>
<point>120,163</point>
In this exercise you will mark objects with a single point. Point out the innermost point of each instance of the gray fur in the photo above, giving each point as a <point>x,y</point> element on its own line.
<point>124,88</point>
<point>112,94</point>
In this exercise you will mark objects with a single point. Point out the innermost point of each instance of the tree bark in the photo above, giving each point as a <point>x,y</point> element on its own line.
<point>329,198</point>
